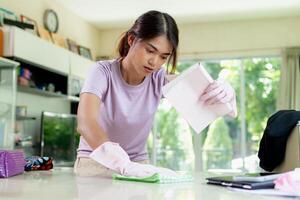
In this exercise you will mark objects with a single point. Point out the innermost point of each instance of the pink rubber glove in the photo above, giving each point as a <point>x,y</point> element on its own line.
<point>289,182</point>
<point>112,156</point>
<point>143,170</point>
<point>218,92</point>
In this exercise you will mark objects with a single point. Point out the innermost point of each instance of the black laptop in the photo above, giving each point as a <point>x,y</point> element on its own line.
<point>232,181</point>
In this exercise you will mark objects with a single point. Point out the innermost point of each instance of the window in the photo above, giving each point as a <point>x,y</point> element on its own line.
<point>228,143</point>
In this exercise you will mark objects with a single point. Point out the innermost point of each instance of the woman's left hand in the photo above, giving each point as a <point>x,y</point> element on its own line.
<point>220,91</point>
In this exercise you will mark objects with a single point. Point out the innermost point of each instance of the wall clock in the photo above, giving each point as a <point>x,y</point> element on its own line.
<point>51,20</point>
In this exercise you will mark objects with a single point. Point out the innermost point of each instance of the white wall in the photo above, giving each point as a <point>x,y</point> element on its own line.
<point>70,25</point>
<point>226,39</point>
<point>262,36</point>
<point>109,41</point>
<point>204,40</point>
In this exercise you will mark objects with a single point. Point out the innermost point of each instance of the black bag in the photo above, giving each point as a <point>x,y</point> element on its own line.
<point>273,143</point>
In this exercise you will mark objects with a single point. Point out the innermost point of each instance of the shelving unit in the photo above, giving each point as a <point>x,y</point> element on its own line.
<point>21,118</point>
<point>49,65</point>
<point>40,92</point>
<point>73,99</point>
<point>41,78</point>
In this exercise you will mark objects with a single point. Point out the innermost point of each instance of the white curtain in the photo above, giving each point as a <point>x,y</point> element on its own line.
<point>289,86</point>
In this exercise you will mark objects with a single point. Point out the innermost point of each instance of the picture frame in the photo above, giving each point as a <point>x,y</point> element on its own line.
<point>21,110</point>
<point>85,52</point>
<point>44,34</point>
<point>58,40</point>
<point>75,85</point>
<point>72,46</point>
<point>28,20</point>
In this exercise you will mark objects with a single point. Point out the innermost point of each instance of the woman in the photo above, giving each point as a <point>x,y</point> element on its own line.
<point>119,99</point>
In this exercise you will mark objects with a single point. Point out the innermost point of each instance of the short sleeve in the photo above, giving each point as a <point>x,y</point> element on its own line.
<point>97,80</point>
<point>158,80</point>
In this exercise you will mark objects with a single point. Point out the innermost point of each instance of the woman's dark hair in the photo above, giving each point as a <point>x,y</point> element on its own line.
<point>150,25</point>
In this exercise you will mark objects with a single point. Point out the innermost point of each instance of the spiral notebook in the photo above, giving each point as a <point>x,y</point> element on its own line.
<point>184,93</point>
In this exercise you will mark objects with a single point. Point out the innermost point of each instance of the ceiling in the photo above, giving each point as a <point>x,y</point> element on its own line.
<point>106,14</point>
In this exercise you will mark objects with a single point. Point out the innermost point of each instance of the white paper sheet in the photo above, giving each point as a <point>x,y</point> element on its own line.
<point>184,93</point>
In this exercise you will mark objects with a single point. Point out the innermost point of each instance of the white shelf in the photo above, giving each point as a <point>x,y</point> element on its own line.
<point>73,98</point>
<point>47,93</point>
<point>39,92</point>
<point>20,118</point>
<point>26,46</point>
<point>7,63</point>
<point>30,48</point>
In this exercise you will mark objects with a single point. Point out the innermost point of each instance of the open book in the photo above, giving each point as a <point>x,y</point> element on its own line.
<point>184,93</point>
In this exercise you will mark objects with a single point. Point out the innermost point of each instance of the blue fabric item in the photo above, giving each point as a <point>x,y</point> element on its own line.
<point>38,163</point>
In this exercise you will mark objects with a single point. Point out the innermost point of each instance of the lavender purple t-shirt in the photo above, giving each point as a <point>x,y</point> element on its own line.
<point>127,111</point>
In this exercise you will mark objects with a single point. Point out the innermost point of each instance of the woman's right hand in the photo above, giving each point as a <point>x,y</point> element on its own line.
<point>144,170</point>
<point>112,156</point>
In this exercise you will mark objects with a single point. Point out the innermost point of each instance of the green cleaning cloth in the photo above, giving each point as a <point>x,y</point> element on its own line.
<point>155,178</point>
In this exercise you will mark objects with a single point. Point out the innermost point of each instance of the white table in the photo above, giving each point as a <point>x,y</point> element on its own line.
<point>61,183</point>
